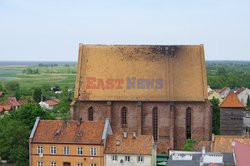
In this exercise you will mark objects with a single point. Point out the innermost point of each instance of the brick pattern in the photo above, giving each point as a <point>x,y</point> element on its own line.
<point>139,119</point>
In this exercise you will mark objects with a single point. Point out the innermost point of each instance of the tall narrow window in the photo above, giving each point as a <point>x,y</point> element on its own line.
<point>124,116</point>
<point>91,114</point>
<point>188,122</point>
<point>155,123</point>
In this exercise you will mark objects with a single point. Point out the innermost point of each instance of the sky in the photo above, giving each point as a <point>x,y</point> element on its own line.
<point>51,30</point>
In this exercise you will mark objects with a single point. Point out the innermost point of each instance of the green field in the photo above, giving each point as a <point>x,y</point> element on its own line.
<point>63,76</point>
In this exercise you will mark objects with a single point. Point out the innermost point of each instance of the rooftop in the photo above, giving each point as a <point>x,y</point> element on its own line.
<point>140,145</point>
<point>242,152</point>
<point>75,132</point>
<point>52,102</point>
<point>223,143</point>
<point>231,101</point>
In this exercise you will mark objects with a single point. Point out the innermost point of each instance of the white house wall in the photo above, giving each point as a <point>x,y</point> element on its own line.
<point>133,160</point>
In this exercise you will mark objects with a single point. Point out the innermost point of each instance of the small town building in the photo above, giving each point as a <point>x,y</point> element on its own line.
<point>223,143</point>
<point>4,108</point>
<point>241,153</point>
<point>11,104</point>
<point>156,90</point>
<point>203,158</point>
<point>68,143</point>
<point>130,149</point>
<point>243,95</point>
<point>231,115</point>
<point>213,94</point>
<point>49,104</point>
<point>224,92</point>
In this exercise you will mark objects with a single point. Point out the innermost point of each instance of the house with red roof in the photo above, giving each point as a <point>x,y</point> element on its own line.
<point>231,115</point>
<point>11,104</point>
<point>68,143</point>
<point>49,104</point>
<point>241,153</point>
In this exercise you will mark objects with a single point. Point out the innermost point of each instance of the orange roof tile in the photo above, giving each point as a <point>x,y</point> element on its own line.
<point>231,101</point>
<point>59,131</point>
<point>142,144</point>
<point>4,107</point>
<point>223,143</point>
<point>52,102</point>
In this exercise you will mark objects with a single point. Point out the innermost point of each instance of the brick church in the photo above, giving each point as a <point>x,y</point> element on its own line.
<point>153,90</point>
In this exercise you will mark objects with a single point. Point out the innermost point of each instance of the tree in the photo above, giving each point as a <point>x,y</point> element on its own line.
<point>15,128</point>
<point>12,86</point>
<point>18,94</point>
<point>1,87</point>
<point>216,116</point>
<point>37,95</point>
<point>14,143</point>
<point>189,145</point>
<point>248,101</point>
<point>62,110</point>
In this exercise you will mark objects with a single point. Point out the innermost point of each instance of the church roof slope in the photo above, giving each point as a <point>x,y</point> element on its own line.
<point>141,73</point>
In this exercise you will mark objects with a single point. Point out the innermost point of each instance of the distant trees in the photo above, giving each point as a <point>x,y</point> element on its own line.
<point>216,116</point>
<point>15,129</point>
<point>12,86</point>
<point>37,94</point>
<point>31,71</point>
<point>232,76</point>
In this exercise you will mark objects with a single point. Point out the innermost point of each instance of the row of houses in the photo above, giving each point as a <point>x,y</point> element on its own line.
<point>11,104</point>
<point>79,143</point>
<point>242,93</point>
<point>223,150</point>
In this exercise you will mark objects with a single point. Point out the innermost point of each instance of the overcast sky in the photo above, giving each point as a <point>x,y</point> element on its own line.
<point>51,30</point>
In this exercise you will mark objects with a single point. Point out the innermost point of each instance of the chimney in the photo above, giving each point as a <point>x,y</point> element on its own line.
<point>203,151</point>
<point>134,135</point>
<point>125,134</point>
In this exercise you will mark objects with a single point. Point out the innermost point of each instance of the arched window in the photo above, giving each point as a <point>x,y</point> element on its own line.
<point>188,123</point>
<point>91,114</point>
<point>124,112</point>
<point>155,123</point>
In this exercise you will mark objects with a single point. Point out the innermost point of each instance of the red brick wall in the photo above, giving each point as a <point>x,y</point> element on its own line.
<point>140,114</point>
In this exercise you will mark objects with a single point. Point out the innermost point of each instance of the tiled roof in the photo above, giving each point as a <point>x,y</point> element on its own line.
<point>52,102</point>
<point>11,99</point>
<point>141,144</point>
<point>242,152</point>
<point>4,107</point>
<point>59,131</point>
<point>231,101</point>
<point>223,143</point>
<point>223,89</point>
<point>17,103</point>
